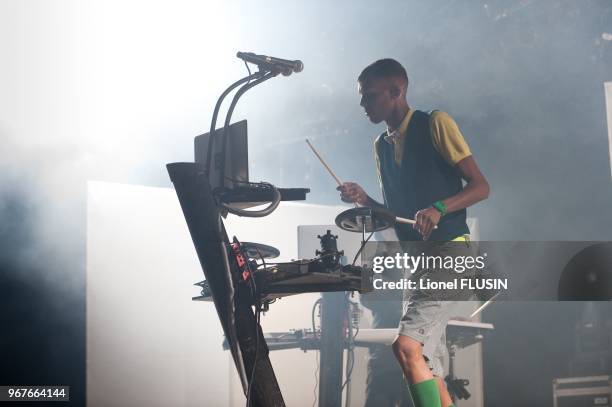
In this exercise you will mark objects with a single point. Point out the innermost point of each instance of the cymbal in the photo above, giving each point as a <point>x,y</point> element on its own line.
<point>374,219</point>
<point>258,250</point>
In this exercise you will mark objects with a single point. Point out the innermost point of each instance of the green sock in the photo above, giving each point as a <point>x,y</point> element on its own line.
<point>425,394</point>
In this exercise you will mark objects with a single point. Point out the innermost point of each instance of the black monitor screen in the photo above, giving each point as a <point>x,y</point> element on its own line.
<point>236,155</point>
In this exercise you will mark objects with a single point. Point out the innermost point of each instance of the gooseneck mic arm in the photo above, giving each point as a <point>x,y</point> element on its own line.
<point>230,111</point>
<point>213,123</point>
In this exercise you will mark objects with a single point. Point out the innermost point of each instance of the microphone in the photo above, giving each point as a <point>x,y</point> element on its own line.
<point>285,66</point>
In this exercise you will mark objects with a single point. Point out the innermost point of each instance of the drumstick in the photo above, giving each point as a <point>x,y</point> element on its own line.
<point>397,218</point>
<point>404,220</point>
<point>485,305</point>
<point>326,166</point>
<point>324,163</point>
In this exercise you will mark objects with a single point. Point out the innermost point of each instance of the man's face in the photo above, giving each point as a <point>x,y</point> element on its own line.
<point>376,99</point>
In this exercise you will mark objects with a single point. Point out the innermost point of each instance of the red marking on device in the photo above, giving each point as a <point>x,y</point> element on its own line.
<point>241,261</point>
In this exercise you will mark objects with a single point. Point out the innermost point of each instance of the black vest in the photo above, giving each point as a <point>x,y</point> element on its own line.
<point>423,178</point>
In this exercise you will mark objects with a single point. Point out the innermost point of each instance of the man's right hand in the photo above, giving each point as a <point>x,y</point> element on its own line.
<point>351,192</point>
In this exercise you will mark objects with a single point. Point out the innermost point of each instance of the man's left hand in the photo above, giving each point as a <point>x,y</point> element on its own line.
<point>426,221</point>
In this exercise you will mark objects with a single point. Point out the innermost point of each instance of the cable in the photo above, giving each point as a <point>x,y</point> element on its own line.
<point>239,181</point>
<point>350,358</point>
<point>314,308</point>
<point>316,395</point>
<point>260,213</point>
<point>350,362</point>
<point>260,79</point>
<point>248,70</point>
<point>314,330</point>
<point>361,248</point>
<point>253,287</point>
<point>213,121</point>
<point>253,274</point>
<point>263,260</point>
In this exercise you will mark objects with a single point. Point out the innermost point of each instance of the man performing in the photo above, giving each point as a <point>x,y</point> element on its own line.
<point>422,160</point>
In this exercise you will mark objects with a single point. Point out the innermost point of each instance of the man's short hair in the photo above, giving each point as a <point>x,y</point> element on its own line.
<point>384,69</point>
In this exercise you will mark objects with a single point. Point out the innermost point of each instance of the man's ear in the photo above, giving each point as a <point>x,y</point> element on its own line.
<point>395,92</point>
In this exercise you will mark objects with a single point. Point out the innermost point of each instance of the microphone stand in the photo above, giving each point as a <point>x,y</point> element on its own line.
<point>275,397</point>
